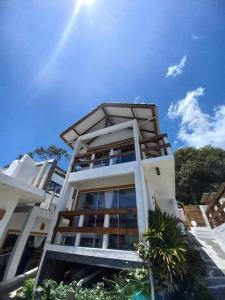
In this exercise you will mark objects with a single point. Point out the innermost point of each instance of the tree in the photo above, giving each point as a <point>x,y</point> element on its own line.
<point>198,171</point>
<point>51,152</point>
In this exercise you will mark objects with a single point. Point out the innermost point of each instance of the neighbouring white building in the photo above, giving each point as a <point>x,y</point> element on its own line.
<point>29,193</point>
<point>121,167</point>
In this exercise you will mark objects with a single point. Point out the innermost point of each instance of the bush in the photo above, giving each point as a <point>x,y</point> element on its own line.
<point>27,290</point>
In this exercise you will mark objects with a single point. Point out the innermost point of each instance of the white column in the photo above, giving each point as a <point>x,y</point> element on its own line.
<point>169,150</point>
<point>111,152</point>
<point>141,196</point>
<point>108,203</point>
<point>40,174</point>
<point>18,248</point>
<point>78,235</point>
<point>9,203</point>
<point>61,203</point>
<point>92,158</point>
<point>105,242</point>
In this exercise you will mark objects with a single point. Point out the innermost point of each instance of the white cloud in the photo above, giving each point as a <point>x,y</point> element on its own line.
<point>176,69</point>
<point>197,37</point>
<point>197,128</point>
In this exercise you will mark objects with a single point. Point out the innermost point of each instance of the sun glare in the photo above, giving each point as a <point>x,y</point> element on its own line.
<point>86,2</point>
<point>66,33</point>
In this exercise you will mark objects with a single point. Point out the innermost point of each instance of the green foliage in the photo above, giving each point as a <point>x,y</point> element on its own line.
<point>125,284</point>
<point>122,286</point>
<point>164,249</point>
<point>198,171</point>
<point>27,291</point>
<point>51,152</point>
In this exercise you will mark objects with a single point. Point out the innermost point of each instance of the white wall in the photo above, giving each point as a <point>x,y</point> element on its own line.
<point>220,233</point>
<point>18,219</point>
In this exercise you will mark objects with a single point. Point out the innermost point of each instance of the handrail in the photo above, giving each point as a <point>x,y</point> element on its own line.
<point>99,230</point>
<point>148,147</point>
<point>101,211</point>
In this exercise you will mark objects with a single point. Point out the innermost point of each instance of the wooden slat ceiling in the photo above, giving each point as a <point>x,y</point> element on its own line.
<point>109,114</point>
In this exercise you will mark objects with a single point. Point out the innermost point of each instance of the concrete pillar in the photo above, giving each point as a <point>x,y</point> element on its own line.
<point>61,203</point>
<point>108,204</point>
<point>141,195</point>
<point>18,248</point>
<point>78,235</point>
<point>40,174</point>
<point>92,158</point>
<point>105,242</point>
<point>9,203</point>
<point>169,150</point>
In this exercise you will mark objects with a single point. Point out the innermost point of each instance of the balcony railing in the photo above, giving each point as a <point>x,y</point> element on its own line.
<point>117,153</point>
<point>68,222</point>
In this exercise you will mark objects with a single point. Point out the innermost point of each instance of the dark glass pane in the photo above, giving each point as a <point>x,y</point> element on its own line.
<point>115,202</point>
<point>128,221</point>
<point>92,242</point>
<point>9,242</point>
<point>128,157</point>
<point>86,242</point>
<point>126,242</point>
<point>114,221</point>
<point>100,220</point>
<point>113,241</point>
<point>101,200</point>
<point>89,221</point>
<point>88,201</point>
<point>101,159</point>
<point>69,241</point>
<point>127,198</point>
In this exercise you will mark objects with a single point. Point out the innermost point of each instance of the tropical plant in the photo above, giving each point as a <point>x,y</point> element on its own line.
<point>164,250</point>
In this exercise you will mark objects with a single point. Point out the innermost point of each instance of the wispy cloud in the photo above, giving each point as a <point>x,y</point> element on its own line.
<point>176,69</point>
<point>197,128</point>
<point>197,37</point>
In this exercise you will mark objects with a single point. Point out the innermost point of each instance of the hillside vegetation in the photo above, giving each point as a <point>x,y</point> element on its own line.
<point>198,171</point>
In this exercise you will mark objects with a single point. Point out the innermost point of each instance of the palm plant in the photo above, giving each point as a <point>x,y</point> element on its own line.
<point>164,249</point>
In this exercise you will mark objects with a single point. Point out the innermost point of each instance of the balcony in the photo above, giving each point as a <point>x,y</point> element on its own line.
<point>118,153</point>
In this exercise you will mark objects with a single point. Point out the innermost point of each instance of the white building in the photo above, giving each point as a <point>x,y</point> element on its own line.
<point>29,193</point>
<point>121,167</point>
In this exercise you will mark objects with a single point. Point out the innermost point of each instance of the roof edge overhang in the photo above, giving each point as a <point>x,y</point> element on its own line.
<point>102,107</point>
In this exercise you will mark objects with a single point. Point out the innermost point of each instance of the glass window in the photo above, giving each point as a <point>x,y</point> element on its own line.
<point>128,221</point>
<point>54,187</point>
<point>101,159</point>
<point>114,221</point>
<point>124,242</point>
<point>127,198</point>
<point>94,241</point>
<point>88,201</point>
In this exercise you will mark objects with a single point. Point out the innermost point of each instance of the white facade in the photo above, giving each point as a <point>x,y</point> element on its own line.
<point>151,177</point>
<point>26,209</point>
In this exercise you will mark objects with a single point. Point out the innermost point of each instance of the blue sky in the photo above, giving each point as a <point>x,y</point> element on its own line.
<point>114,50</point>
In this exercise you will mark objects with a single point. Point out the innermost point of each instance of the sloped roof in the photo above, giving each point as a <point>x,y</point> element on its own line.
<point>108,114</point>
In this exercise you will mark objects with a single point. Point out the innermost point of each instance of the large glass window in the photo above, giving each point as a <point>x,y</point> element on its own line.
<point>121,198</point>
<point>110,199</point>
<point>92,200</point>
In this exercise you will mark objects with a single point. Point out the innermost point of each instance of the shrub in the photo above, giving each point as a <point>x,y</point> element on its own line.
<point>27,290</point>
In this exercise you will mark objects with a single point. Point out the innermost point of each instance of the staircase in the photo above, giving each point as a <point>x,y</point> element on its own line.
<point>213,253</point>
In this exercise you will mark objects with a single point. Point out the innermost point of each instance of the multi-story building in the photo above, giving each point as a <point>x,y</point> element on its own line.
<point>29,193</point>
<point>121,167</point>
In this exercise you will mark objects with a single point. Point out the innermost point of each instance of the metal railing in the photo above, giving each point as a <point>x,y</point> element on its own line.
<point>122,152</point>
